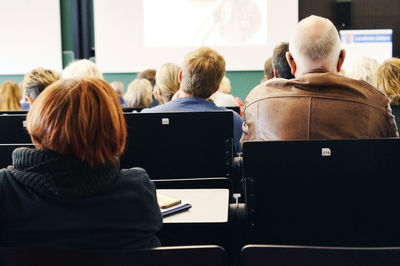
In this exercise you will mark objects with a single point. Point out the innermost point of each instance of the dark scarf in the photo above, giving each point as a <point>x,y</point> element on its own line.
<point>60,175</point>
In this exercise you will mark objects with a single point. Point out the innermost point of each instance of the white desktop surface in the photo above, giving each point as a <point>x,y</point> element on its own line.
<point>208,205</point>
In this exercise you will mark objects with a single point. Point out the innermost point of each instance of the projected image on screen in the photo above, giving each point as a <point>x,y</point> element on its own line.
<point>205,22</point>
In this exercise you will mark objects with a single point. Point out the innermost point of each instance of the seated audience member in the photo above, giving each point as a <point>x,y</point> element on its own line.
<point>150,75</point>
<point>118,87</point>
<point>200,76</point>
<point>81,68</point>
<point>363,68</point>
<point>319,103</point>
<point>279,62</point>
<point>268,70</point>
<point>36,80</point>
<point>10,96</point>
<point>223,97</point>
<point>23,101</point>
<point>139,93</point>
<point>167,83</point>
<point>387,79</point>
<point>69,192</point>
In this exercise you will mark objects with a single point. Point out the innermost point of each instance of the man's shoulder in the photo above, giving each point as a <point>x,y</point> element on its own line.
<point>317,84</point>
<point>265,89</point>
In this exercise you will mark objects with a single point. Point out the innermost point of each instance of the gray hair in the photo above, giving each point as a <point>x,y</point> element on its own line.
<point>315,40</point>
<point>118,86</point>
<point>363,68</point>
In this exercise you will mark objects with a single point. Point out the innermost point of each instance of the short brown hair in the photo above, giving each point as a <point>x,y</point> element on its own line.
<point>80,116</point>
<point>202,72</point>
<point>268,68</point>
<point>36,80</point>
<point>279,62</point>
<point>149,74</point>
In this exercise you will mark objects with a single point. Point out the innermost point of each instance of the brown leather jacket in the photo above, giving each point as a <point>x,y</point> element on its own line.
<point>317,106</point>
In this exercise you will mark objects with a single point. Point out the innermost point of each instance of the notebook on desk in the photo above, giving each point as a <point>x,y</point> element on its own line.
<point>169,205</point>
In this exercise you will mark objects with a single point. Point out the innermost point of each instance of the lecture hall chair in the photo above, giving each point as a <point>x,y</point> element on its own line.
<point>274,255</point>
<point>165,256</point>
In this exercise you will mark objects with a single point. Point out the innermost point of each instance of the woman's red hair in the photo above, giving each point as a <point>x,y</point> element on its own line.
<point>80,116</point>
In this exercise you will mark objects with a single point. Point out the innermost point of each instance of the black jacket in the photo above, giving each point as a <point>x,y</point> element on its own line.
<point>52,200</point>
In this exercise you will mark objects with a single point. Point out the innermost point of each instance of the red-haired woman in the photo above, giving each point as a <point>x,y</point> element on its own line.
<point>69,192</point>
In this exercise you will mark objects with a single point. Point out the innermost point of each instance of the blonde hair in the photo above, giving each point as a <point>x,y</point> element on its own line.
<point>202,72</point>
<point>82,68</point>
<point>225,85</point>
<point>36,80</point>
<point>139,93</point>
<point>363,68</point>
<point>167,79</point>
<point>10,96</point>
<point>387,79</point>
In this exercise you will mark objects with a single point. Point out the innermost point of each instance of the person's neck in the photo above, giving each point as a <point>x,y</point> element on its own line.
<point>184,94</point>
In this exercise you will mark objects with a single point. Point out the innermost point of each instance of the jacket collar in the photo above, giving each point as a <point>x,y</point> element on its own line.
<point>60,175</point>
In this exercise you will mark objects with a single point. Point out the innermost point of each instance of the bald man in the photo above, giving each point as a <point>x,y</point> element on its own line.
<point>318,103</point>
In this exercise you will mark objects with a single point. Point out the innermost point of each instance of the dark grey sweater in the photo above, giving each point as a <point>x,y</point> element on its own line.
<point>52,200</point>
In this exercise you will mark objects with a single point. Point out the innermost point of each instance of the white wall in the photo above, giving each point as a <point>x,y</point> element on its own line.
<point>30,36</point>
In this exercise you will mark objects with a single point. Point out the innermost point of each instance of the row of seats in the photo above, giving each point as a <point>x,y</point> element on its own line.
<point>319,192</point>
<point>251,255</point>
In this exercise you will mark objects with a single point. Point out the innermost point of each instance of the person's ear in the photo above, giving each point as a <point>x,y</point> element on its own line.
<point>275,73</point>
<point>157,94</point>
<point>291,62</point>
<point>180,76</point>
<point>341,58</point>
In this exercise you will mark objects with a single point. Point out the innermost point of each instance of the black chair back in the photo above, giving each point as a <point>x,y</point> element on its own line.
<point>396,113</point>
<point>266,255</point>
<point>180,145</point>
<point>132,109</point>
<point>323,192</point>
<point>166,256</point>
<point>13,129</point>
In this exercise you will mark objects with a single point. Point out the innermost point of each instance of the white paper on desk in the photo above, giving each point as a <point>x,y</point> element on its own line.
<point>184,205</point>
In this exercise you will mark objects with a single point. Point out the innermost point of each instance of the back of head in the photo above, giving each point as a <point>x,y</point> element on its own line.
<point>387,79</point>
<point>268,69</point>
<point>80,117</point>
<point>279,61</point>
<point>167,79</point>
<point>202,72</point>
<point>363,68</point>
<point>81,68</point>
<point>118,87</point>
<point>315,44</point>
<point>139,93</point>
<point>10,96</point>
<point>36,80</point>
<point>149,74</point>
<point>225,85</point>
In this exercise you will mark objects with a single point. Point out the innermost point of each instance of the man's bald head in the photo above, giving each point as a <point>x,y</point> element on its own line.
<point>315,44</point>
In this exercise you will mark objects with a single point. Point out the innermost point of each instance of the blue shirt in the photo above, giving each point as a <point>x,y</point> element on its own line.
<point>193,104</point>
